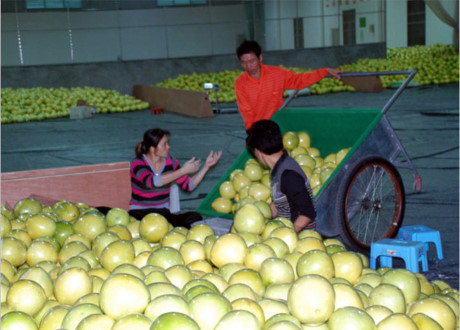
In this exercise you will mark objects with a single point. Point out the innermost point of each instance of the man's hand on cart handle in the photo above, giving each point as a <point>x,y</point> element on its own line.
<point>417,183</point>
<point>335,73</point>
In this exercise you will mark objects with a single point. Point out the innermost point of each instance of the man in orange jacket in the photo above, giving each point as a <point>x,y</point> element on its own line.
<point>259,90</point>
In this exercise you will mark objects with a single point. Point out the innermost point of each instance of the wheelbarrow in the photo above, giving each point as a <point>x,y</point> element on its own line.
<point>363,200</point>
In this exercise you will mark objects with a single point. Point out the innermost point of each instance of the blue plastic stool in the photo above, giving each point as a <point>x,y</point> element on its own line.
<point>412,252</point>
<point>422,234</point>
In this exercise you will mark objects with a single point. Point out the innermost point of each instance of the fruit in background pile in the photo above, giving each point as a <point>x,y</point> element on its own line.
<point>67,266</point>
<point>251,183</point>
<point>34,104</point>
<point>437,64</point>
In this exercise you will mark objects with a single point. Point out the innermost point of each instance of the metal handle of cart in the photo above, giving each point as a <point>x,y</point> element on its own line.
<point>417,186</point>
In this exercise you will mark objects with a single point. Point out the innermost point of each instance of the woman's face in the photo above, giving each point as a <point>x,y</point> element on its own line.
<point>162,149</point>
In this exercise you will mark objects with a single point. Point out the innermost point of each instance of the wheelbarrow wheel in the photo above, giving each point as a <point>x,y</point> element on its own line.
<point>370,203</point>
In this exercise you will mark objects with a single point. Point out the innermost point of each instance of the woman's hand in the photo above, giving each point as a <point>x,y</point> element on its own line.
<point>191,166</point>
<point>213,158</point>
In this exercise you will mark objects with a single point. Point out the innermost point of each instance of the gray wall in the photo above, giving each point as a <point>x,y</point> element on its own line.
<point>123,75</point>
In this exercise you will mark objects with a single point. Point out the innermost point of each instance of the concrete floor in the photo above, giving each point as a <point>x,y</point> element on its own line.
<point>424,118</point>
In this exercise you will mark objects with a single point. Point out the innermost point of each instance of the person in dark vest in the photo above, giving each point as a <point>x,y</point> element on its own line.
<point>290,189</point>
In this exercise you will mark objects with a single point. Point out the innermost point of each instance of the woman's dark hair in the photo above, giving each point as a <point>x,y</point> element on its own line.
<point>265,135</point>
<point>152,137</point>
<point>249,46</point>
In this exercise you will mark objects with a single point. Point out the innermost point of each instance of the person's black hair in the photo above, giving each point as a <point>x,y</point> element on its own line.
<point>249,46</point>
<point>265,135</point>
<point>152,137</point>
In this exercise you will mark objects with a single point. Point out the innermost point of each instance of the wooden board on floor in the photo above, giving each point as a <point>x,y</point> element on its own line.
<point>96,185</point>
<point>189,103</point>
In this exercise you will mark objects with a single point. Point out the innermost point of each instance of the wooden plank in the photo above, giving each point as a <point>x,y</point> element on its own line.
<point>96,185</point>
<point>189,103</point>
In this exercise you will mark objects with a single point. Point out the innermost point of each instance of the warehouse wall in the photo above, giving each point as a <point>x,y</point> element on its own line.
<point>60,37</point>
<point>123,75</point>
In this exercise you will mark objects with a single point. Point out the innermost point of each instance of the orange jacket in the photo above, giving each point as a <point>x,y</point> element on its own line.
<point>259,99</point>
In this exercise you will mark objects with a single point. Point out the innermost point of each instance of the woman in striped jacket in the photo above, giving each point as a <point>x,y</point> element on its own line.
<point>154,170</point>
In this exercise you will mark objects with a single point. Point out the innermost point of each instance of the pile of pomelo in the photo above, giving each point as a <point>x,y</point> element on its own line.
<point>67,266</point>
<point>251,184</point>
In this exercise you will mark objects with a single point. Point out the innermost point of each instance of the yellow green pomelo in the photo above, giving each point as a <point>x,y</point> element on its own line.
<point>70,250</point>
<point>174,321</point>
<point>136,321</point>
<point>238,319</point>
<point>372,279</point>
<point>123,294</point>
<point>341,155</point>
<point>257,254</point>
<point>378,312</point>
<point>270,226</point>
<point>249,219</point>
<point>315,262</point>
<point>192,250</point>
<point>424,322</point>
<point>162,288</point>
<point>179,275</point>
<point>199,232</point>
<point>246,304</point>
<point>45,309</point>
<point>282,321</point>
<point>197,282</point>
<point>96,321</point>
<point>129,269</point>
<point>117,216</point>
<point>286,234</point>
<point>77,313</point>
<point>240,180</point>
<point>304,139</point>
<point>259,191</point>
<point>405,280</point>
<point>40,224</point>
<point>71,285</point>
<point>27,206</point>
<point>75,262</point>
<point>350,318</point>
<point>90,298</point>
<point>166,304</point>
<point>238,291</point>
<point>172,239</point>
<point>272,307</point>
<point>253,171</point>
<point>277,291</point>
<point>157,276</point>
<point>77,237</point>
<point>222,205</point>
<point>26,296</point>
<point>153,227</point>
<point>67,211</point>
<point>40,276</point>
<point>53,319</point>
<point>397,321</point>
<point>390,296</point>
<point>217,280</point>
<point>14,251</point>
<point>226,190</point>
<point>208,308</point>
<point>346,295</point>
<point>117,253</point>
<point>102,240</point>
<point>5,226</point>
<point>309,243</point>
<point>278,245</point>
<point>305,160</point>
<point>250,238</point>
<point>249,277</point>
<point>276,270</point>
<point>264,208</point>
<point>90,225</point>
<point>195,291</point>
<point>17,320</point>
<point>201,265</point>
<point>290,140</point>
<point>311,299</point>
<point>437,309</point>
<point>121,231</point>
<point>298,151</point>
<point>165,257</point>
<point>228,248</point>
<point>347,265</point>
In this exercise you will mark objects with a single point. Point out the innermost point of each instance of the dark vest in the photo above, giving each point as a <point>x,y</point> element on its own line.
<point>279,199</point>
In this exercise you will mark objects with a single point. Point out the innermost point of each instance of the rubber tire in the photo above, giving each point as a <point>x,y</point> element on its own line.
<point>347,232</point>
